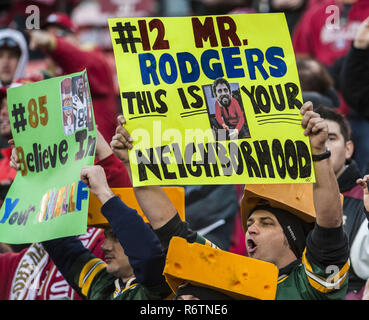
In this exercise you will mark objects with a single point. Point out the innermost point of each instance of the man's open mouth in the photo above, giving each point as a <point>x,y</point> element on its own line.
<point>251,246</point>
<point>108,259</point>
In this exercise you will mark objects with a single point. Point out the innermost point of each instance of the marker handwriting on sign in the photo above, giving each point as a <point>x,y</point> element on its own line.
<point>144,102</point>
<point>41,158</point>
<point>258,160</point>
<point>160,42</point>
<point>168,68</point>
<point>9,207</point>
<point>263,98</point>
<point>12,216</point>
<point>80,137</point>
<point>206,31</point>
<point>202,32</point>
<point>34,116</point>
<point>55,203</point>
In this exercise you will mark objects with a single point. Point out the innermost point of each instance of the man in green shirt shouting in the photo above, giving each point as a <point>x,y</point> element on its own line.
<point>310,253</point>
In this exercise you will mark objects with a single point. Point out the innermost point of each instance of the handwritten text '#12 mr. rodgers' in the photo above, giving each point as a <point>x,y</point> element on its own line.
<point>167,68</point>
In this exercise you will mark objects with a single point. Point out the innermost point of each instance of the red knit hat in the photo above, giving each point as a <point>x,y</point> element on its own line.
<point>60,19</point>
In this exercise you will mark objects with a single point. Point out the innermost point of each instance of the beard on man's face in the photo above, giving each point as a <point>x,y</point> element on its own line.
<point>224,100</point>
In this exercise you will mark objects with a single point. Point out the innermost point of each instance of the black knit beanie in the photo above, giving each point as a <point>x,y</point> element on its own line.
<point>201,293</point>
<point>295,229</point>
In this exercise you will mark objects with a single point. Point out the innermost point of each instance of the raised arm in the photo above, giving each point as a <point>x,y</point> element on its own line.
<point>152,199</point>
<point>137,239</point>
<point>115,171</point>
<point>71,59</point>
<point>144,252</point>
<point>326,191</point>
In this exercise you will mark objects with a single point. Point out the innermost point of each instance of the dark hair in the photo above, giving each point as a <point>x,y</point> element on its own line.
<point>201,293</point>
<point>333,115</point>
<point>220,81</point>
<point>317,80</point>
<point>10,44</point>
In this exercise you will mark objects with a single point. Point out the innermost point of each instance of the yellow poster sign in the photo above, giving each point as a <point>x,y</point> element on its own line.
<point>211,100</point>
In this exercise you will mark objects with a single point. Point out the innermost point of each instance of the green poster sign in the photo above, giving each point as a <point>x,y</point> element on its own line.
<point>54,134</point>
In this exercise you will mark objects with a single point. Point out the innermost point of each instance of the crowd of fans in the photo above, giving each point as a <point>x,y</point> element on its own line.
<point>125,259</point>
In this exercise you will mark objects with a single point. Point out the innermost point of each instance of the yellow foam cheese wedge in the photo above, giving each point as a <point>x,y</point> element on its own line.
<point>237,276</point>
<point>127,195</point>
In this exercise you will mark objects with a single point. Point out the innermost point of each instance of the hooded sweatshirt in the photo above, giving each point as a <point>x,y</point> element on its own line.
<point>18,37</point>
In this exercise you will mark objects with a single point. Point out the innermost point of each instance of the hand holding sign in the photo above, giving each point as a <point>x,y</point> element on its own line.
<point>14,160</point>
<point>315,128</point>
<point>121,141</point>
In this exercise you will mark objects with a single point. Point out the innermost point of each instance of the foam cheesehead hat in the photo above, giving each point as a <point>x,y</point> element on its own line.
<point>296,198</point>
<point>211,273</point>
<point>127,195</point>
<point>292,205</point>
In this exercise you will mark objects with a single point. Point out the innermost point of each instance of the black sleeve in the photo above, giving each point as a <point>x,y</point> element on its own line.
<point>175,227</point>
<point>354,80</point>
<point>64,251</point>
<point>366,213</point>
<point>139,242</point>
<point>335,70</point>
<point>327,246</point>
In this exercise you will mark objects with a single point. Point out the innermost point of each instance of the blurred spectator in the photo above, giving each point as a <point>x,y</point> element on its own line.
<point>316,83</point>
<point>175,8</point>
<point>242,10</point>
<point>60,43</point>
<point>360,247</point>
<point>327,28</point>
<point>293,9</point>
<point>354,83</point>
<point>31,275</point>
<point>355,86</point>
<point>7,174</point>
<point>325,32</point>
<point>13,61</point>
<point>91,18</point>
<point>132,8</point>
<point>13,13</point>
<point>347,172</point>
<point>206,7</point>
<point>354,76</point>
<point>13,56</point>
